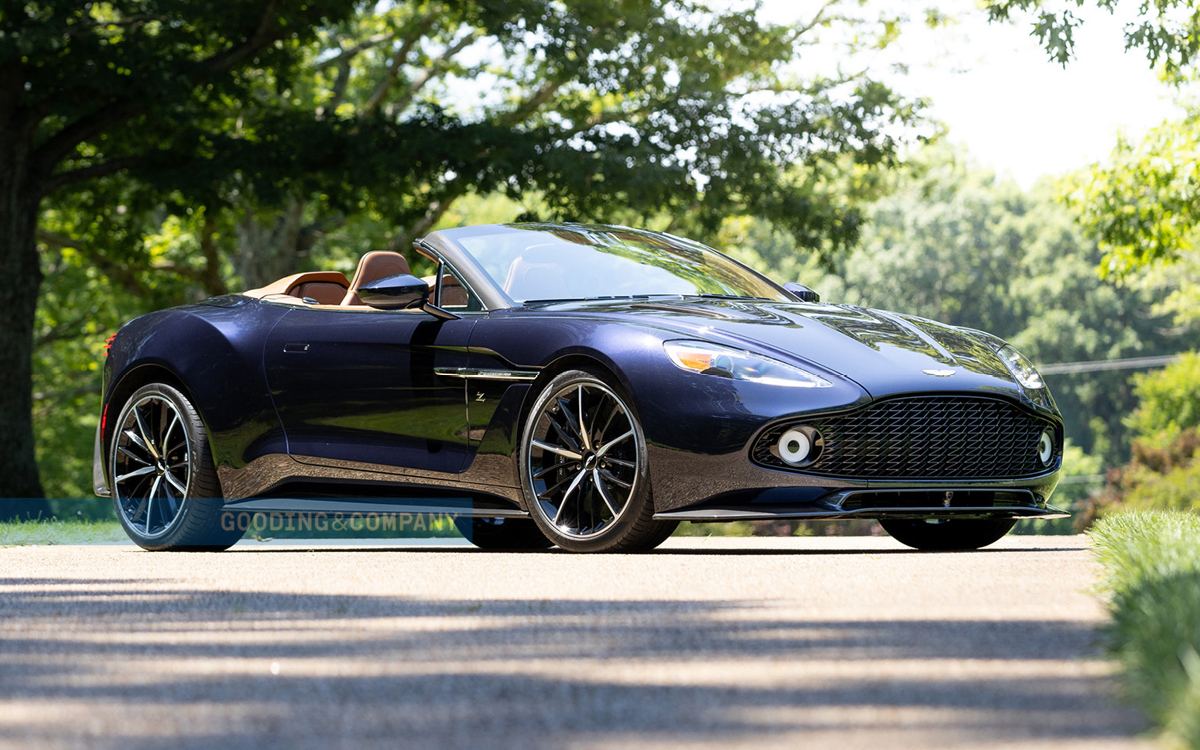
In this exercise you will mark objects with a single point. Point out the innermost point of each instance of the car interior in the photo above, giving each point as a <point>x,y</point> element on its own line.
<point>331,289</point>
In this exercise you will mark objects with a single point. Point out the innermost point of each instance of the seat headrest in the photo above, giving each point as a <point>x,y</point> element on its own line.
<point>373,266</point>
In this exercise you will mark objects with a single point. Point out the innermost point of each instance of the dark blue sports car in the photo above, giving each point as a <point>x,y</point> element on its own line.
<point>560,384</point>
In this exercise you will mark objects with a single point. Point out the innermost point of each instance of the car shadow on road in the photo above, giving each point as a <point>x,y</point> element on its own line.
<point>235,668</point>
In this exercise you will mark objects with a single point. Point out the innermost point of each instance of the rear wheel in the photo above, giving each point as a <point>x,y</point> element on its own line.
<point>512,534</point>
<point>583,468</point>
<point>164,484</point>
<point>947,534</point>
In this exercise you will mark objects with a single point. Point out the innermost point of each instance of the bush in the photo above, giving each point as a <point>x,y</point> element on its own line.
<point>1152,574</point>
<point>1168,401</point>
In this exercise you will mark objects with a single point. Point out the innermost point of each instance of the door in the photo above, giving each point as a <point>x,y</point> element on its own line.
<point>356,387</point>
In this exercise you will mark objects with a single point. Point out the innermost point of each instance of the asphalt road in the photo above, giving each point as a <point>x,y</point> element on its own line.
<point>818,643</point>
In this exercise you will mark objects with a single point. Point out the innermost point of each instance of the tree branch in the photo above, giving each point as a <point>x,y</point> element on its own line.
<point>397,61</point>
<point>59,179</point>
<point>65,331</point>
<point>262,36</point>
<point>435,66</point>
<point>347,55</point>
<point>118,111</point>
<point>531,105</point>
<point>121,274</point>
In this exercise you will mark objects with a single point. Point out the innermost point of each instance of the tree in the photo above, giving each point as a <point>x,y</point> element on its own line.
<point>242,133</point>
<point>1143,203</point>
<point>91,89</point>
<point>1168,31</point>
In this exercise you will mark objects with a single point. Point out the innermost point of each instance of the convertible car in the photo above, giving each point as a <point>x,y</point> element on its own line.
<point>583,386</point>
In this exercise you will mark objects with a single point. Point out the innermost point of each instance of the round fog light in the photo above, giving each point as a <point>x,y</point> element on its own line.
<point>1045,447</point>
<point>794,446</point>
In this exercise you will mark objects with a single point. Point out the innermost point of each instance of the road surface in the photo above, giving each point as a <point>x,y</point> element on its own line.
<point>713,643</point>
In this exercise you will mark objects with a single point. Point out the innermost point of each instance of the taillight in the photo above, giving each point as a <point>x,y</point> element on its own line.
<point>103,418</point>
<point>108,343</point>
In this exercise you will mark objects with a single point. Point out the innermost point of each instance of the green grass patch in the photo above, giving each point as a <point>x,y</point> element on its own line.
<point>60,532</point>
<point>1152,576</point>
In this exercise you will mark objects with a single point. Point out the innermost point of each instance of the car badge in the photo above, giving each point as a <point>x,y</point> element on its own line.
<point>939,373</point>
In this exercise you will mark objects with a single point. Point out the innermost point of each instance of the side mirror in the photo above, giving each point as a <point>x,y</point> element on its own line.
<point>801,292</point>
<point>401,292</point>
<point>398,292</point>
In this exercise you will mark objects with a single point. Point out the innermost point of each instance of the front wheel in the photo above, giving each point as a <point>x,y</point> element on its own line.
<point>947,534</point>
<point>583,468</point>
<point>164,485</point>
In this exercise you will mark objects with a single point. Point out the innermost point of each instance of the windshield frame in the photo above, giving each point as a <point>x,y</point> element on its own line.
<point>449,246</point>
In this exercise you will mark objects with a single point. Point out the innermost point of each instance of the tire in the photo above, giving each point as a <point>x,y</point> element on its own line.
<point>949,534</point>
<point>586,482</point>
<point>164,484</point>
<point>503,534</point>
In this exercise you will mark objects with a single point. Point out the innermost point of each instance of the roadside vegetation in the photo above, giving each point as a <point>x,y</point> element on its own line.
<point>60,531</point>
<point>1152,578</point>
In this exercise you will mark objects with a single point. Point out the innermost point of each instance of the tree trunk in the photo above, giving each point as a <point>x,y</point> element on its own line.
<point>21,276</point>
<point>268,246</point>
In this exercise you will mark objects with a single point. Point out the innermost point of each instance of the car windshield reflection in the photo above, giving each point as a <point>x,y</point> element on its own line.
<point>539,264</point>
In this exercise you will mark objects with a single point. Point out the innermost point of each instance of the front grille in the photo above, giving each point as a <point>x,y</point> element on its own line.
<point>946,437</point>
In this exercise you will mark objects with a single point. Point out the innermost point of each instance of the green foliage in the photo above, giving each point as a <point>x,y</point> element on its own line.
<point>1152,575</point>
<point>60,532</point>
<point>1142,203</point>
<point>1161,476</point>
<point>1168,401</point>
<point>1168,31</point>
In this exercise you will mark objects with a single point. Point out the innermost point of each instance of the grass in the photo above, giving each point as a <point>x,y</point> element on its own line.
<point>1152,577</point>
<point>60,532</point>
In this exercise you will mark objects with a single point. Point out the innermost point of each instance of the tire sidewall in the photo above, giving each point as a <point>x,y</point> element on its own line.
<point>639,499</point>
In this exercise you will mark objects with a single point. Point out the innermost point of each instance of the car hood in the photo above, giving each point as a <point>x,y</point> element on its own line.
<point>884,352</point>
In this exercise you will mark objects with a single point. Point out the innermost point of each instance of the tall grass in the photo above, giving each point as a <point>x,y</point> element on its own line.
<point>60,532</point>
<point>1152,576</point>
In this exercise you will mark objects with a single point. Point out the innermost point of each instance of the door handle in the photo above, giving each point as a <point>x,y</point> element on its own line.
<point>295,347</point>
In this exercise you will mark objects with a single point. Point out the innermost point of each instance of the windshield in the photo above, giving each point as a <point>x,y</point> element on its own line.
<point>554,262</point>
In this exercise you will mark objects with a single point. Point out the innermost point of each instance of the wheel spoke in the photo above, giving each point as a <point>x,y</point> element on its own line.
<point>557,450</point>
<point>137,416</point>
<point>550,490</point>
<point>604,493</point>
<point>553,467</point>
<point>612,479</point>
<point>127,452</point>
<point>608,422</point>
<point>620,462</point>
<point>181,488</point>
<point>608,446</point>
<point>587,440</point>
<point>578,478</point>
<point>137,473</point>
<point>150,501</point>
<point>166,441</point>
<point>136,440</point>
<point>565,436</point>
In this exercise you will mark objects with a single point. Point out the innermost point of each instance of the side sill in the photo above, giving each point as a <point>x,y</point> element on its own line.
<point>768,513</point>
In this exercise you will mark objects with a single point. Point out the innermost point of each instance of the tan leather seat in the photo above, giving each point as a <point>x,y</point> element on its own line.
<point>324,292</point>
<point>375,265</point>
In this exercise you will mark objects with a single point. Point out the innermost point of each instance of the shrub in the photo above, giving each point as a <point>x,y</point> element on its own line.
<point>1152,574</point>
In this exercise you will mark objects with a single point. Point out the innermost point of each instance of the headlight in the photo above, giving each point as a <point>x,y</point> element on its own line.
<point>724,362</point>
<point>1021,368</point>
